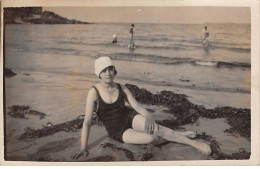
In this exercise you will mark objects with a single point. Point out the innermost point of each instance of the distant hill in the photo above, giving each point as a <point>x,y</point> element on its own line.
<point>34,15</point>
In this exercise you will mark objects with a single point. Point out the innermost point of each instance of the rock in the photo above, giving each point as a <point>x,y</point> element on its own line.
<point>35,15</point>
<point>9,73</point>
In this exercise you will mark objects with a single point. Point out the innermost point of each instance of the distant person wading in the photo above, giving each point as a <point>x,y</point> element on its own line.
<point>114,38</point>
<point>133,125</point>
<point>131,43</point>
<point>205,36</point>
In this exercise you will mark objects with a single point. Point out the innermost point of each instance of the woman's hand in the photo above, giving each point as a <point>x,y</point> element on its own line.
<point>150,124</point>
<point>76,155</point>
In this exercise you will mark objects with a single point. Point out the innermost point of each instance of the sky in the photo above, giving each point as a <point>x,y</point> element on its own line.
<point>184,15</point>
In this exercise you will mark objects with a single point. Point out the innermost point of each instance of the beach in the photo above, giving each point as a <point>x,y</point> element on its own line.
<point>54,68</point>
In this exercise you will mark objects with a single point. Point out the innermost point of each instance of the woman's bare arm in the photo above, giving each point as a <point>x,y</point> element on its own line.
<point>150,123</point>
<point>134,104</point>
<point>90,103</point>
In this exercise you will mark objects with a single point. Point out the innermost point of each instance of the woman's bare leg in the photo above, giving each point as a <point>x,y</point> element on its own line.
<point>170,135</point>
<point>138,125</point>
<point>132,136</point>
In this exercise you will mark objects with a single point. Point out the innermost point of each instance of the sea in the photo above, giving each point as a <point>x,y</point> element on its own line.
<point>55,63</point>
<point>54,66</point>
<point>167,56</point>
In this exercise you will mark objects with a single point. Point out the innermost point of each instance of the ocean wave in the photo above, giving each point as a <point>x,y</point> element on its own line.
<point>222,64</point>
<point>154,38</point>
<point>186,85</point>
<point>176,60</point>
<point>234,64</point>
<point>206,63</point>
<point>169,44</point>
<point>235,49</point>
<point>175,46</point>
<point>70,42</point>
<point>150,58</point>
<point>165,47</point>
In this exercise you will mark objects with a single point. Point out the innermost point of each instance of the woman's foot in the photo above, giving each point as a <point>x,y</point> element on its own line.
<point>203,148</point>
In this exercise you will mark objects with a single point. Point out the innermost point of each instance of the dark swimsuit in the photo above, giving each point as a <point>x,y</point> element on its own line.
<point>116,117</point>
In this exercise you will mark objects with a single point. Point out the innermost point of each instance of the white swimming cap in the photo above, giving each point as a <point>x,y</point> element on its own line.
<point>101,63</point>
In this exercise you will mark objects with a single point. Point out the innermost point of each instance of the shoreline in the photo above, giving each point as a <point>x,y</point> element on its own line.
<point>184,112</point>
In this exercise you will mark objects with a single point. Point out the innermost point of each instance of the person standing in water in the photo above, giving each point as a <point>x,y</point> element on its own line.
<point>114,38</point>
<point>205,36</point>
<point>127,125</point>
<point>131,31</point>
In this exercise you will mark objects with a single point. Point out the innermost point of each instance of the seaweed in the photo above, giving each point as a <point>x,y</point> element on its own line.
<point>146,156</point>
<point>187,112</point>
<point>18,111</point>
<point>216,152</point>
<point>49,128</point>
<point>129,154</point>
<point>184,111</point>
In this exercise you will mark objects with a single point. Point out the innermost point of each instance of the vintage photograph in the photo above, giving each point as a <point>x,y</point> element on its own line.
<point>127,83</point>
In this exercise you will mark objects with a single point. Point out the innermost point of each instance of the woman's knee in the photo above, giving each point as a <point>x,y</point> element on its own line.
<point>138,123</point>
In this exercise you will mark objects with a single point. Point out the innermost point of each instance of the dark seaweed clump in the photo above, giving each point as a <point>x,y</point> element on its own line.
<point>187,112</point>
<point>49,128</point>
<point>96,120</point>
<point>129,154</point>
<point>20,112</point>
<point>146,156</point>
<point>9,73</point>
<point>216,151</point>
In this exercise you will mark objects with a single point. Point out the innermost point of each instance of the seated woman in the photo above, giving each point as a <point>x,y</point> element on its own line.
<point>125,125</point>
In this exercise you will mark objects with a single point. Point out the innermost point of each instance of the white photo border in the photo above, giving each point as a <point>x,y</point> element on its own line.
<point>255,76</point>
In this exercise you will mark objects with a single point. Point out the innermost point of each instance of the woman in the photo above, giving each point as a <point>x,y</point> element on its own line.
<point>108,98</point>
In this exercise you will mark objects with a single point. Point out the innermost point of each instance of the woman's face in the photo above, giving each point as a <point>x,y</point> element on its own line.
<point>107,75</point>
